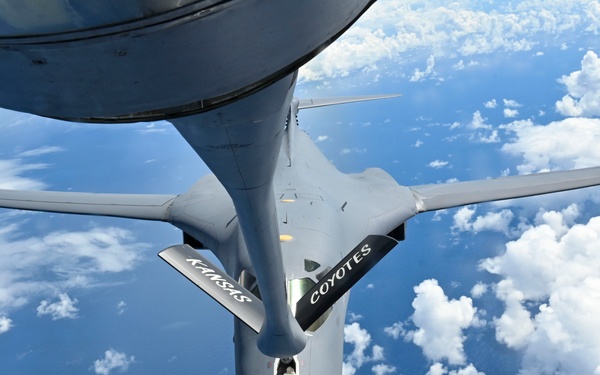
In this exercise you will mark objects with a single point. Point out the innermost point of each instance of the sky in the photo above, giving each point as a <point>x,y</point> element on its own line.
<point>489,89</point>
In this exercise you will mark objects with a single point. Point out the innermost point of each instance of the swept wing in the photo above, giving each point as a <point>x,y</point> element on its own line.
<point>440,196</point>
<point>133,206</point>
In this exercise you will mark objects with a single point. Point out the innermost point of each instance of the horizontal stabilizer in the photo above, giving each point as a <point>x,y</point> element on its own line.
<point>133,206</point>
<point>341,278</point>
<point>313,103</point>
<point>440,196</point>
<point>217,284</point>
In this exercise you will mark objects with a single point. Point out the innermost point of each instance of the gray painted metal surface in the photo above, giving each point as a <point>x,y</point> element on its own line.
<point>135,206</point>
<point>439,196</point>
<point>171,62</point>
<point>241,145</point>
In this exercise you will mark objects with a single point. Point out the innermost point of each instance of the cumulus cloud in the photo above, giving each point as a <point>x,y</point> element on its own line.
<point>490,104</point>
<point>62,260</point>
<point>391,30</point>
<point>439,369</point>
<point>484,133</point>
<point>112,360</point>
<point>510,113</point>
<point>567,144</point>
<point>440,323</point>
<point>551,290</point>
<point>429,71</point>
<point>479,290</point>
<point>460,65</point>
<point>5,324</point>
<point>361,339</point>
<point>64,308</point>
<point>510,103</point>
<point>382,369</point>
<point>583,98</point>
<point>478,122</point>
<point>469,370</point>
<point>464,221</point>
<point>396,330</point>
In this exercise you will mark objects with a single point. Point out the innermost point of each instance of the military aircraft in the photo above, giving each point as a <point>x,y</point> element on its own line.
<point>292,233</point>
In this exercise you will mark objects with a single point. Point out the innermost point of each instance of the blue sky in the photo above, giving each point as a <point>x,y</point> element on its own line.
<point>513,287</point>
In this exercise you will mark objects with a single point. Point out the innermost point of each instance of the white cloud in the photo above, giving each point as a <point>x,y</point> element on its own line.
<point>460,65</point>
<point>5,324</point>
<point>555,266</point>
<point>491,138</point>
<point>567,144</point>
<point>478,122</point>
<point>511,103</point>
<point>490,104</point>
<point>483,132</point>
<point>583,86</point>
<point>437,164</point>
<point>62,309</point>
<point>41,151</point>
<point>112,360</point>
<point>322,138</point>
<point>361,339</point>
<point>39,266</point>
<point>392,30</point>
<point>382,369</point>
<point>11,172</point>
<point>469,370</point>
<point>510,113</point>
<point>493,221</point>
<point>437,369</point>
<point>429,71</point>
<point>440,323</point>
<point>352,317</point>
<point>348,369</point>
<point>479,290</point>
<point>418,143</point>
<point>396,330</point>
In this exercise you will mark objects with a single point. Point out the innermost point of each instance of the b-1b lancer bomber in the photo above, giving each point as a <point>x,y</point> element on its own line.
<point>292,233</point>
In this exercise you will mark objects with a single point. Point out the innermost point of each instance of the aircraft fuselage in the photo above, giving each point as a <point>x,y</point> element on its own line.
<point>321,214</point>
